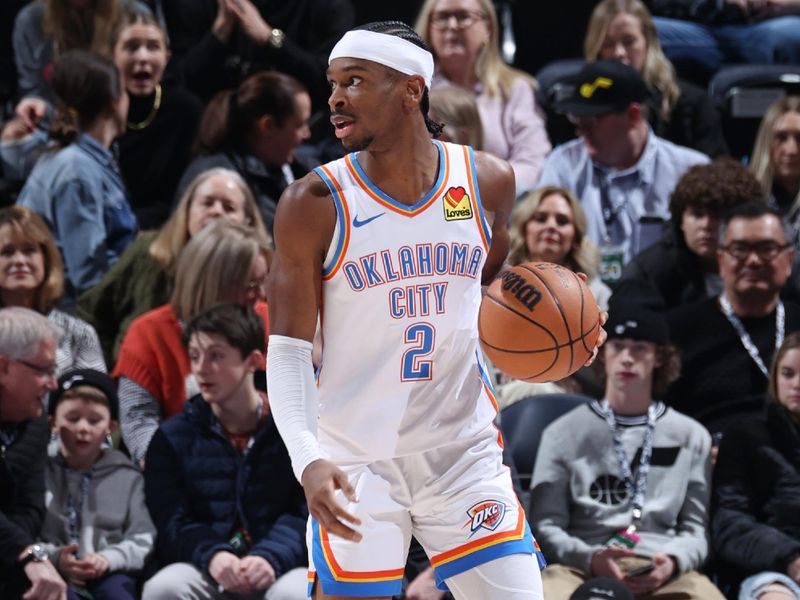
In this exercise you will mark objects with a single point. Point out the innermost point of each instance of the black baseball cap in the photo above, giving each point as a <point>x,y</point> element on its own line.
<point>602,588</point>
<point>91,378</point>
<point>635,311</point>
<point>604,86</point>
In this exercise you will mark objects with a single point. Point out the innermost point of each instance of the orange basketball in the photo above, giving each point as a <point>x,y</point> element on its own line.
<point>538,322</point>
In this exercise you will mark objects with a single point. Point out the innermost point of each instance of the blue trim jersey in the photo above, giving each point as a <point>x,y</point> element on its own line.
<point>401,371</point>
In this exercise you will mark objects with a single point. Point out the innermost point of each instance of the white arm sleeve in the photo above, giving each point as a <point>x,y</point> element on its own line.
<point>293,398</point>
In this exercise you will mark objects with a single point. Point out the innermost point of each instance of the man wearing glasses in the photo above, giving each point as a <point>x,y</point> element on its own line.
<point>727,341</point>
<point>27,375</point>
<point>621,171</point>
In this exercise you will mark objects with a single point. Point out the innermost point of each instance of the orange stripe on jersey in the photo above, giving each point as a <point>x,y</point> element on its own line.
<point>497,538</point>
<point>353,576</point>
<point>372,191</point>
<point>476,209</point>
<point>344,233</point>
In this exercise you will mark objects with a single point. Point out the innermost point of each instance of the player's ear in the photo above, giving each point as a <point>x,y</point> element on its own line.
<point>415,89</point>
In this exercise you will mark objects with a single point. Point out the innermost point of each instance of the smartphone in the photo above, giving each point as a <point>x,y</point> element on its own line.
<point>637,564</point>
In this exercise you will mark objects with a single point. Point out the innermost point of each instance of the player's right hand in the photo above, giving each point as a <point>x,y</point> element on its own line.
<point>320,480</point>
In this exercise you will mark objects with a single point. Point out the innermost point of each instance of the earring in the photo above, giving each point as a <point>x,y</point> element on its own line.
<point>54,437</point>
<point>109,441</point>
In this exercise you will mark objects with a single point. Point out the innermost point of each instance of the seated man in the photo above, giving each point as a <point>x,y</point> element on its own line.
<point>620,170</point>
<point>230,516</point>
<point>27,374</point>
<point>620,488</point>
<point>727,341</point>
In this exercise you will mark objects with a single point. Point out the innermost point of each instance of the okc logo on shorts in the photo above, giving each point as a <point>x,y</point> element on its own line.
<point>487,514</point>
<point>457,205</point>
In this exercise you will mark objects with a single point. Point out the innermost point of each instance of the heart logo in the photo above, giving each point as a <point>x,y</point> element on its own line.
<point>455,195</point>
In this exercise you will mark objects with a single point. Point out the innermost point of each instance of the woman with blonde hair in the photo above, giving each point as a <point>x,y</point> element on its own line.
<point>143,276</point>
<point>32,276</point>
<point>225,262</point>
<point>682,113</point>
<point>455,108</point>
<point>549,224</point>
<point>464,37</point>
<point>776,158</point>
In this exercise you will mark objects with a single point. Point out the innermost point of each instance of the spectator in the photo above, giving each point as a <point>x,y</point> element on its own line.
<point>219,43</point>
<point>619,169</point>
<point>549,225</point>
<point>726,342</point>
<point>27,374</point>
<point>32,275</point>
<point>700,37</point>
<point>626,480</point>
<point>231,517</point>
<point>76,186</point>
<point>222,263</point>
<point>143,277</point>
<point>162,119</point>
<point>464,36</point>
<point>456,109</point>
<point>45,29</point>
<point>254,130</point>
<point>776,159</point>
<point>756,517</point>
<point>96,527</point>
<point>680,112</point>
<point>682,266</point>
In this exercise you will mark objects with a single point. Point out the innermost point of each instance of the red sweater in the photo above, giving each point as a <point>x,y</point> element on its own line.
<point>153,356</point>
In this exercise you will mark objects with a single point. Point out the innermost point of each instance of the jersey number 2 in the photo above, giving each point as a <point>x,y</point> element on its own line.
<point>421,335</point>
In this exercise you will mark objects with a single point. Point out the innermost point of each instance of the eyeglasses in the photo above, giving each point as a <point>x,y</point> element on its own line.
<point>765,250</point>
<point>464,18</point>
<point>49,371</point>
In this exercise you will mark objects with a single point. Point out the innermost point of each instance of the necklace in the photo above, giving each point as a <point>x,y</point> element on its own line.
<point>153,111</point>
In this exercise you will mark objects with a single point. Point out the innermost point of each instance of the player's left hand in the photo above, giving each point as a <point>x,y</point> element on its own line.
<point>602,317</point>
<point>320,480</point>
<point>643,584</point>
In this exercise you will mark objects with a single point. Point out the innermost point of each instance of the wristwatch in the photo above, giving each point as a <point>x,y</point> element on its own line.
<point>276,38</point>
<point>35,553</point>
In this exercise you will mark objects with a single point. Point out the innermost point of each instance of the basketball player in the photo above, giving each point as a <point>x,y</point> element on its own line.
<point>389,246</point>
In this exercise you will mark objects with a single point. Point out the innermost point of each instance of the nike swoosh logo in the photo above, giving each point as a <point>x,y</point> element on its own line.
<point>357,223</point>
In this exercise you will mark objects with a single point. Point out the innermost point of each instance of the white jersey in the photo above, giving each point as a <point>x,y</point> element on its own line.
<point>401,369</point>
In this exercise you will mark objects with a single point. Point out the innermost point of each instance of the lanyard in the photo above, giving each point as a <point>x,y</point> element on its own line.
<point>780,320</point>
<point>634,490</point>
<point>74,508</point>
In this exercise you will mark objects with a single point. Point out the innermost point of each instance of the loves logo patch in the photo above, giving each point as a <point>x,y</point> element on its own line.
<point>486,514</point>
<point>457,205</point>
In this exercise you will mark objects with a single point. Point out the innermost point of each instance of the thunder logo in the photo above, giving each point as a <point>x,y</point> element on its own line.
<point>487,514</point>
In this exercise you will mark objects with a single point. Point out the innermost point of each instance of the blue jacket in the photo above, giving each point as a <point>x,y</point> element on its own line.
<point>79,192</point>
<point>199,488</point>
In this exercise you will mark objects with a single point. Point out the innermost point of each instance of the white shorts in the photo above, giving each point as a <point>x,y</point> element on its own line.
<point>457,500</point>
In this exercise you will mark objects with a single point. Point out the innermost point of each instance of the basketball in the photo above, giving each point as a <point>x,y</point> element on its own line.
<point>538,322</point>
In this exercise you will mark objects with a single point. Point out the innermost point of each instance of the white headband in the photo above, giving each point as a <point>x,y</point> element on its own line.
<point>388,50</point>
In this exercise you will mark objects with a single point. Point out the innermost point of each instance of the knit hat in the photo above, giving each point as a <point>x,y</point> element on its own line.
<point>604,86</point>
<point>602,588</point>
<point>635,311</point>
<point>91,378</point>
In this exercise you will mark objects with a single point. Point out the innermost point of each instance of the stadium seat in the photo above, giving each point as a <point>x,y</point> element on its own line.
<point>743,94</point>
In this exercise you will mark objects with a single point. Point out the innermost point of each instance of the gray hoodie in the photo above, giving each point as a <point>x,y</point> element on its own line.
<point>114,520</point>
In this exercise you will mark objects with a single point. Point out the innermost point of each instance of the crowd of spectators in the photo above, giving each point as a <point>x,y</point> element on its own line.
<point>143,156</point>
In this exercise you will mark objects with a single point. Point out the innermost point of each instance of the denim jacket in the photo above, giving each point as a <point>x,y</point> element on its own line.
<point>79,192</point>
